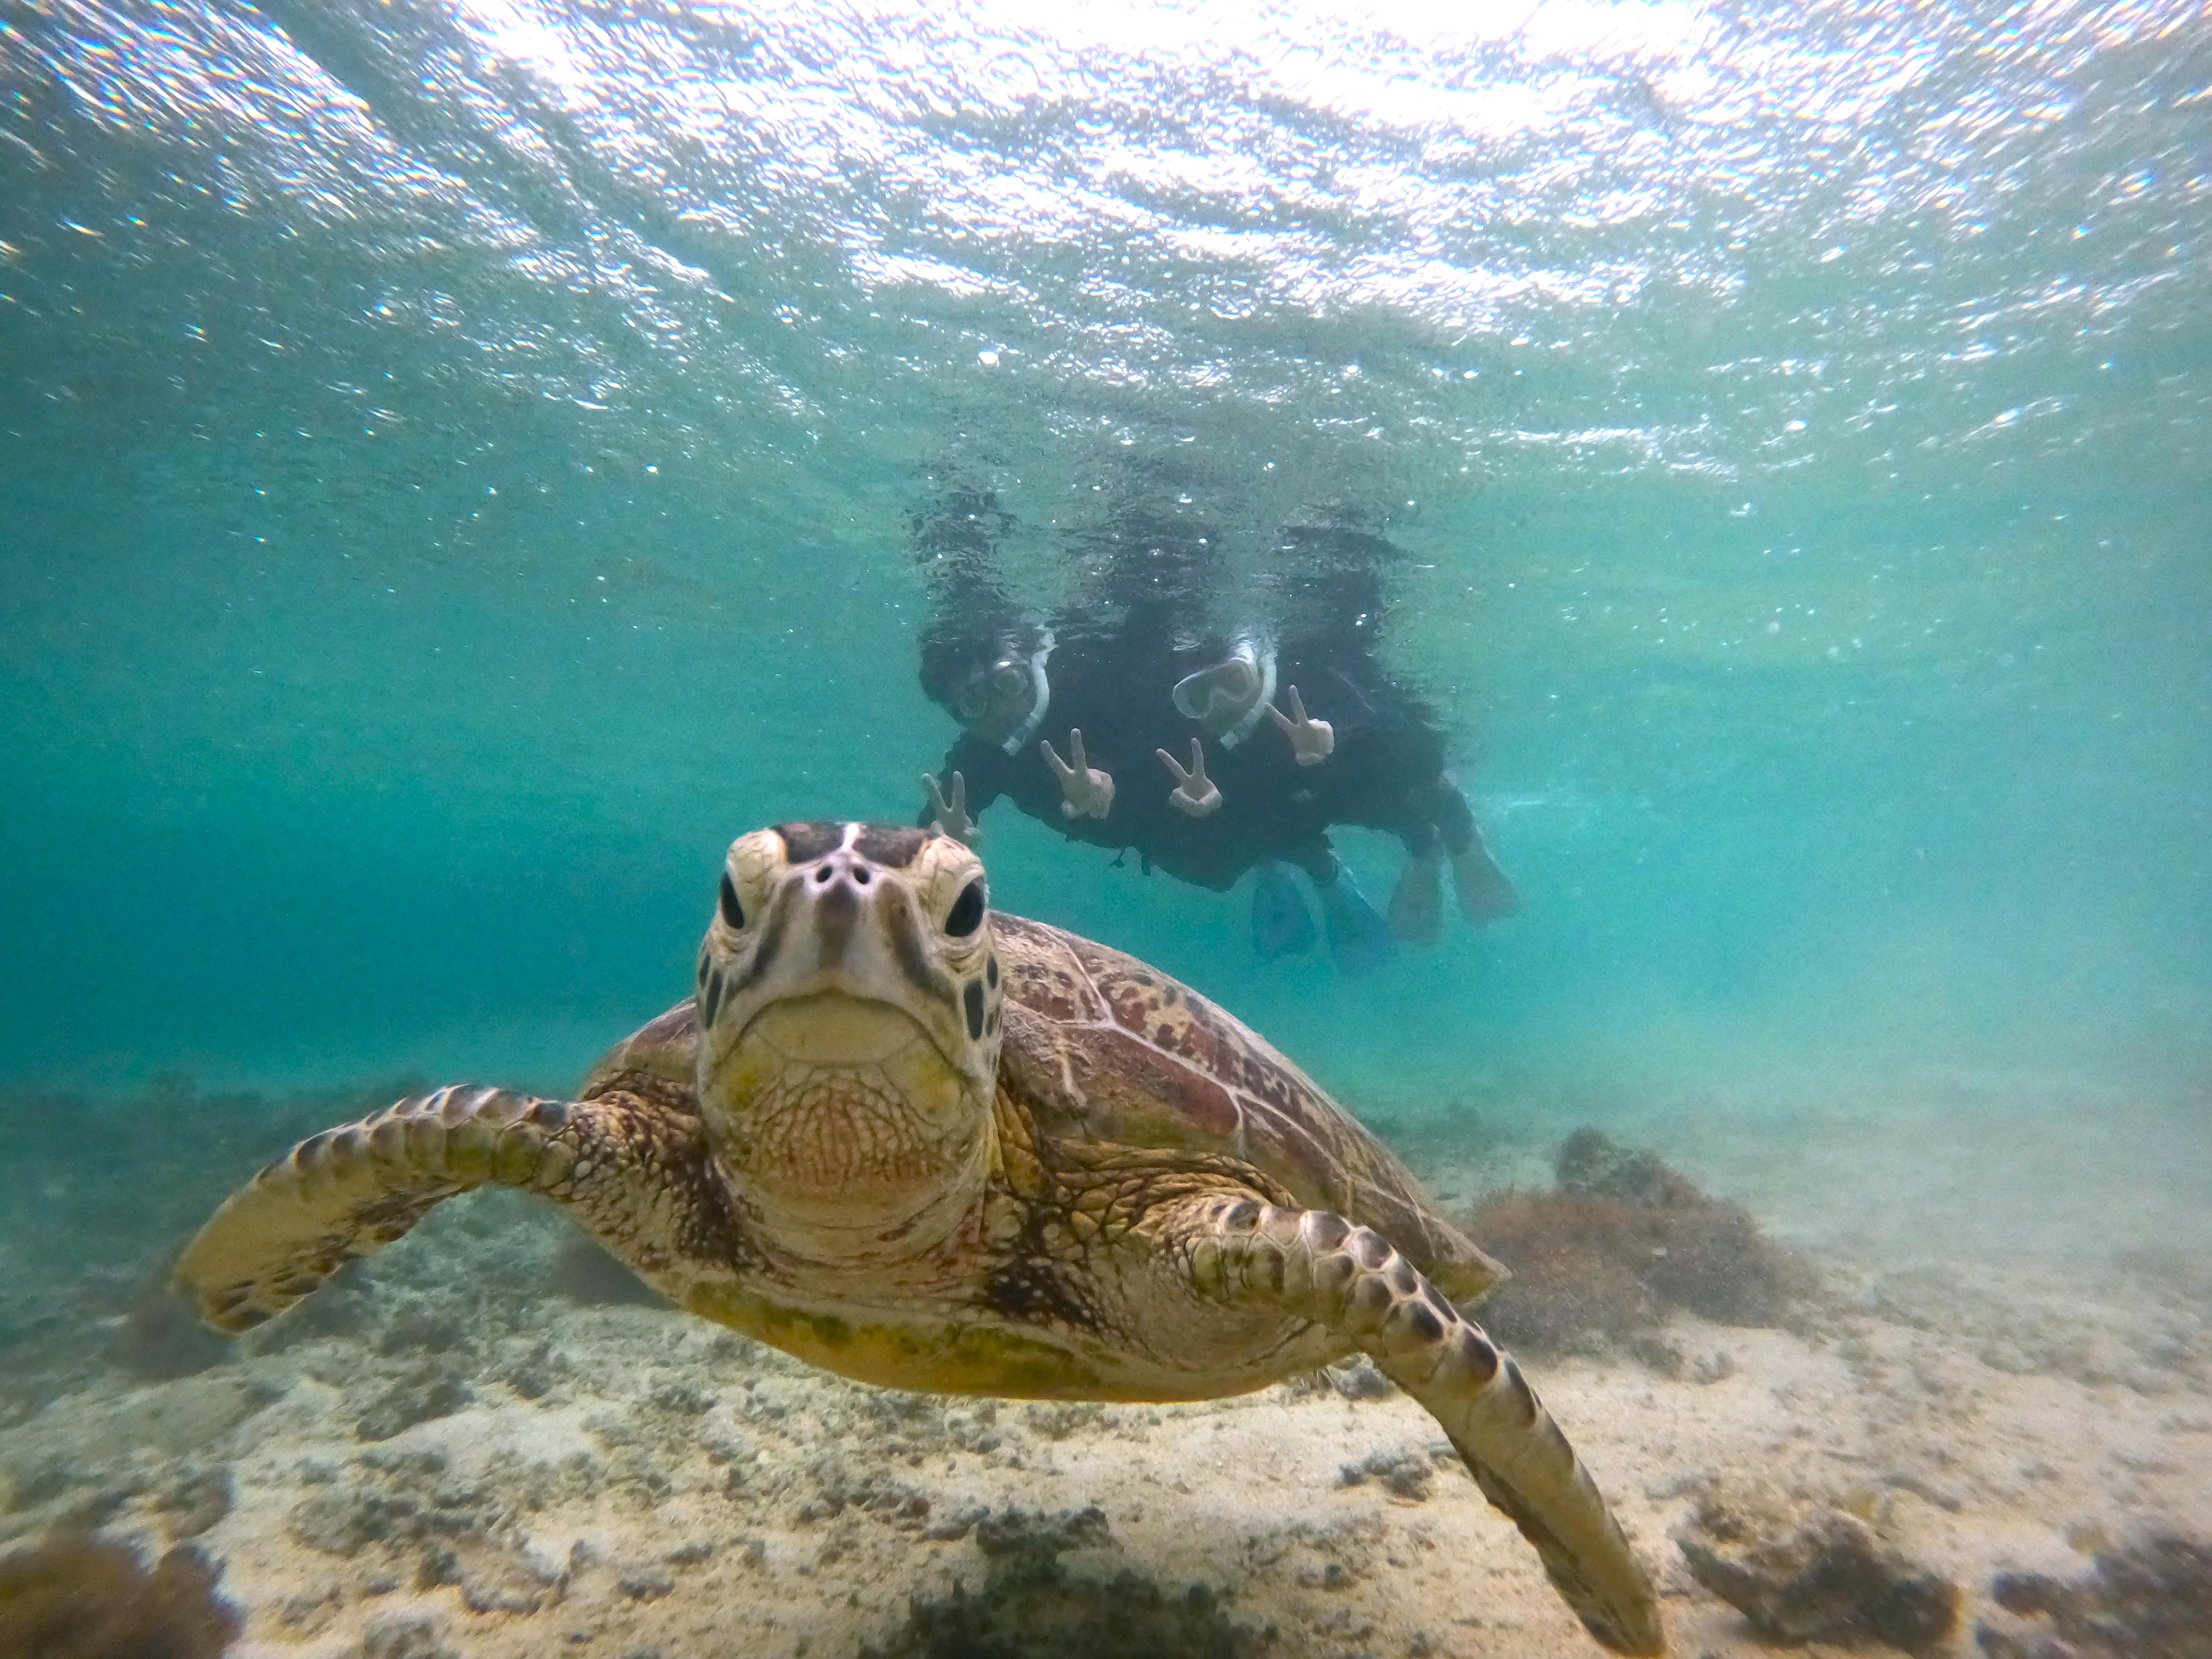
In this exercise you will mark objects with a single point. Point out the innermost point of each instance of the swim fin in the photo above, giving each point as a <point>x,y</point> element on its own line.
<point>1281,924</point>
<point>1485,892</point>
<point>1359,937</point>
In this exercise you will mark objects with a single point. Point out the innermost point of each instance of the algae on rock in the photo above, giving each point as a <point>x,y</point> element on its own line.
<point>1804,1570</point>
<point>80,1596</point>
<point>1030,1606</point>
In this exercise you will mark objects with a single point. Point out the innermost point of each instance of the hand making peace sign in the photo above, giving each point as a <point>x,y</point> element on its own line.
<point>952,815</point>
<point>1195,793</point>
<point>1089,791</point>
<point>1313,740</point>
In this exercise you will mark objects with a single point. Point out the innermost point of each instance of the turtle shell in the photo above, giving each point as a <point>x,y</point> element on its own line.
<point>658,1060</point>
<point>1102,1047</point>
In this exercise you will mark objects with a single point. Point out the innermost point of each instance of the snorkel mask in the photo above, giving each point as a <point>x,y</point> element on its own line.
<point>1229,698</point>
<point>1004,699</point>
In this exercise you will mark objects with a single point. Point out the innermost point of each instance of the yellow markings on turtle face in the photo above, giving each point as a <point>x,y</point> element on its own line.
<point>831,1029</point>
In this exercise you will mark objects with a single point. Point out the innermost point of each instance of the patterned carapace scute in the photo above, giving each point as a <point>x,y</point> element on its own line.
<point>657,1062</point>
<point>1138,1058</point>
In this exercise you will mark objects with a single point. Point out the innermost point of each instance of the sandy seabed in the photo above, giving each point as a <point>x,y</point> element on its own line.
<point>2010,1365</point>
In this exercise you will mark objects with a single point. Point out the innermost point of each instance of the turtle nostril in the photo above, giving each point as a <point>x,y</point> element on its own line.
<point>822,874</point>
<point>861,875</point>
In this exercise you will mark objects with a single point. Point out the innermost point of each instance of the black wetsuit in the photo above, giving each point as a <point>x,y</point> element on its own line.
<point>1112,674</point>
<point>1386,771</point>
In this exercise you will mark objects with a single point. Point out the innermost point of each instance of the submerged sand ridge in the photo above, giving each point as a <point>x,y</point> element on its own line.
<point>450,1456</point>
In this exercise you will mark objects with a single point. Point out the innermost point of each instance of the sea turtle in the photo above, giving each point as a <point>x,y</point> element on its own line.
<point>930,1147</point>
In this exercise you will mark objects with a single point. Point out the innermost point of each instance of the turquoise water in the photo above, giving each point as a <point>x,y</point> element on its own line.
<point>458,458</point>
<point>460,463</point>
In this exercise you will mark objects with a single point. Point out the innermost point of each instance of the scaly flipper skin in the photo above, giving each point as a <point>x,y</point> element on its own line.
<point>634,1172</point>
<point>1316,1266</point>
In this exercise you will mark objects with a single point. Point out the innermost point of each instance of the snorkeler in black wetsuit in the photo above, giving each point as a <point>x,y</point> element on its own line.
<point>1266,744</point>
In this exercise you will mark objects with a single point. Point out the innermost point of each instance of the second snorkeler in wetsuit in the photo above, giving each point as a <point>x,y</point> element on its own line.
<point>1265,748</point>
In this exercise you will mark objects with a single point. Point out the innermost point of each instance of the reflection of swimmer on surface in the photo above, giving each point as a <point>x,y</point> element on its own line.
<point>1206,756</point>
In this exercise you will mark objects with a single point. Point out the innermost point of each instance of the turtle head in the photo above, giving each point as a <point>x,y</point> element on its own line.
<point>848,996</point>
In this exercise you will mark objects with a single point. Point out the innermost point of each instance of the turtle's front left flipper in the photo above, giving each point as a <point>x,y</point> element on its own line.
<point>1314,1265</point>
<point>634,1172</point>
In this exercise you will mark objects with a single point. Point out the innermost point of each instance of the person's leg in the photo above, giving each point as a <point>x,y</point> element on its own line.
<point>1417,903</point>
<point>1281,924</point>
<point>1485,892</point>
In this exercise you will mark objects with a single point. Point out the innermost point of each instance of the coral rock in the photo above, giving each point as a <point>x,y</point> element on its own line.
<point>1590,1162</point>
<point>404,1636</point>
<point>80,1597</point>
<point>1809,1572</point>
<point>2150,1599</point>
<point>1622,1242</point>
<point>430,1391</point>
<point>1030,1604</point>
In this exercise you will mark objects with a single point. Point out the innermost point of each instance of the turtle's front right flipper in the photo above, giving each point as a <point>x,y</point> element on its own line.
<point>1350,1279</point>
<point>634,1173</point>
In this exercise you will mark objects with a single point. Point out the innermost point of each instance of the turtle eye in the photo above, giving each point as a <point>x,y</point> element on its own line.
<point>966,915</point>
<point>733,913</point>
